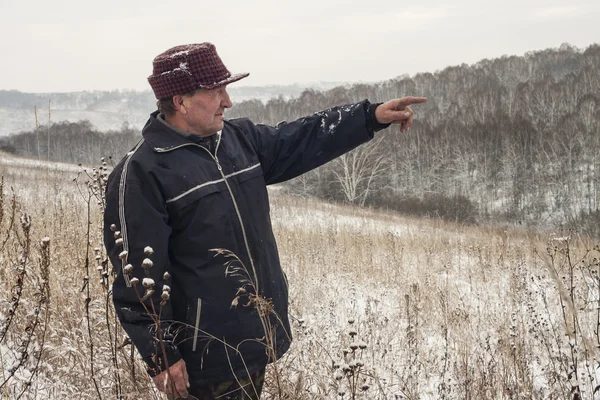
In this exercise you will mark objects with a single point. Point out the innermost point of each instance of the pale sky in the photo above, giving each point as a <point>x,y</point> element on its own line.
<point>71,45</point>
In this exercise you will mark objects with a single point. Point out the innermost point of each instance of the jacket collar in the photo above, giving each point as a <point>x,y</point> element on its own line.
<point>162,138</point>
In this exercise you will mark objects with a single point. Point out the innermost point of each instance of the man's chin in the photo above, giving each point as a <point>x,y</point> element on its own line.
<point>216,127</point>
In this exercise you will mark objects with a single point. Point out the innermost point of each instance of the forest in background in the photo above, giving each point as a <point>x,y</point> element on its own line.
<point>508,140</point>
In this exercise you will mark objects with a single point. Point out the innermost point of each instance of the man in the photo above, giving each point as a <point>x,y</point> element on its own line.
<point>199,287</point>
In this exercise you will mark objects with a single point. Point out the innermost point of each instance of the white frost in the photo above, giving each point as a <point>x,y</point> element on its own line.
<point>182,67</point>
<point>180,53</point>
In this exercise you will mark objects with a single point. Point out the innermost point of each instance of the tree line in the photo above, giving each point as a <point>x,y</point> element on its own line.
<point>73,142</point>
<point>509,139</point>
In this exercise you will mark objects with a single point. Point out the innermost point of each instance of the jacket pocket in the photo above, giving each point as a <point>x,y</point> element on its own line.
<point>250,172</point>
<point>191,194</point>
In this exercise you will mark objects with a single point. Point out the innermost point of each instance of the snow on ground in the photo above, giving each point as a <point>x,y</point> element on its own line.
<point>22,162</point>
<point>443,310</point>
<point>439,305</point>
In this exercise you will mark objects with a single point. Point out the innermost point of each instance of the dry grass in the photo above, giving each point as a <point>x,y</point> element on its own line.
<point>438,310</point>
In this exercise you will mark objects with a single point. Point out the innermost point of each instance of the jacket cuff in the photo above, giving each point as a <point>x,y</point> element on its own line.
<point>371,121</point>
<point>156,364</point>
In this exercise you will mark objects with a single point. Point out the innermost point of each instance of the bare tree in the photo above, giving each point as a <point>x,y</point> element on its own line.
<point>357,171</point>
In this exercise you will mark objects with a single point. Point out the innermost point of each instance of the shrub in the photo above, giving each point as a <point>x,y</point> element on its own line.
<point>455,208</point>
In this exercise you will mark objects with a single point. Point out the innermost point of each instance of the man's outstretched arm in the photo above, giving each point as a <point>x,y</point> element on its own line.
<point>291,149</point>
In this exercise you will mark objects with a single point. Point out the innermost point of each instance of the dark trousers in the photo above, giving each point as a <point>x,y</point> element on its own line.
<point>245,388</point>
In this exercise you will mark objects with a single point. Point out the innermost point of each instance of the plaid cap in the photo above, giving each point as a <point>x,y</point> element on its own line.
<point>182,69</point>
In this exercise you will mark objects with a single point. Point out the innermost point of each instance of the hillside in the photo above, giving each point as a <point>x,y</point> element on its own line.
<point>440,310</point>
<point>511,140</point>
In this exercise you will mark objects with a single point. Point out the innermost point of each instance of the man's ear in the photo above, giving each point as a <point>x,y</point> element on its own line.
<point>178,102</point>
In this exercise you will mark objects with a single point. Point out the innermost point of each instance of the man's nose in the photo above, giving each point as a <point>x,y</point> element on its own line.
<point>226,101</point>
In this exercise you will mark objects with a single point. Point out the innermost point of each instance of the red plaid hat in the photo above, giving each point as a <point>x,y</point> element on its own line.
<point>182,69</point>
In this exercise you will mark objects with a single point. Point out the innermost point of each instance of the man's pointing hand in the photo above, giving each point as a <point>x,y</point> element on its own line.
<point>397,111</point>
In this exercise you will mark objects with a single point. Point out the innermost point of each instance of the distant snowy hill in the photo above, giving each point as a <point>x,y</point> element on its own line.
<point>108,110</point>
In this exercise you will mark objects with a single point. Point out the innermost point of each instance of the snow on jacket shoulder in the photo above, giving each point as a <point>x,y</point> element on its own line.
<point>206,217</point>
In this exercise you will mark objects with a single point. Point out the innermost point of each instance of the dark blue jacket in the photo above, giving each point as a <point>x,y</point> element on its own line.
<point>172,194</point>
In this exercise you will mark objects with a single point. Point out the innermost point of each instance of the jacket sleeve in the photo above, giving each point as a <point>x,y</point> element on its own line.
<point>135,207</point>
<point>291,149</point>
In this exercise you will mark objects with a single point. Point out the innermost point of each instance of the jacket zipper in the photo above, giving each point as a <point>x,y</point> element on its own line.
<point>197,326</point>
<point>122,221</point>
<point>237,210</point>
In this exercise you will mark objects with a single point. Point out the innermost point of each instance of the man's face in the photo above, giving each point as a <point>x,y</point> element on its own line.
<point>205,110</point>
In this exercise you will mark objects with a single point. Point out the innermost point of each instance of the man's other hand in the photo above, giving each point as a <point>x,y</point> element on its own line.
<point>397,111</point>
<point>176,383</point>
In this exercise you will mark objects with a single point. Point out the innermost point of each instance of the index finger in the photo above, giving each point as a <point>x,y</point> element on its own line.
<point>406,101</point>
<point>181,387</point>
<point>180,381</point>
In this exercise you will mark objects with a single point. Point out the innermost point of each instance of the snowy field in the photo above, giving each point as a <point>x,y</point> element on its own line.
<point>383,306</point>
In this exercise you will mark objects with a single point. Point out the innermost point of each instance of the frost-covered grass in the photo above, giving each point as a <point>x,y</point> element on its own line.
<point>447,311</point>
<point>401,307</point>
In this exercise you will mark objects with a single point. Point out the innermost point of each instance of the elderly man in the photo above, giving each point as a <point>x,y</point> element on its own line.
<point>199,287</point>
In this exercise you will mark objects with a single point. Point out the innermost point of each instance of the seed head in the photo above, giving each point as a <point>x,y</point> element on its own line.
<point>166,288</point>
<point>119,242</point>
<point>147,263</point>
<point>165,296</point>
<point>128,269</point>
<point>148,283</point>
<point>166,276</point>
<point>123,255</point>
<point>113,227</point>
<point>117,234</point>
<point>148,251</point>
<point>149,292</point>
<point>134,281</point>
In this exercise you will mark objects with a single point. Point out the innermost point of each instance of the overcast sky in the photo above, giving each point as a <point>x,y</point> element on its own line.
<point>70,45</point>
